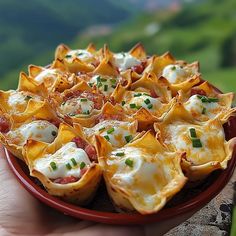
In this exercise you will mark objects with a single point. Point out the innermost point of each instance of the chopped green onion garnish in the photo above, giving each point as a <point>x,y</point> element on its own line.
<point>68,166</point>
<point>120,154</point>
<point>113,81</point>
<point>196,142</point>
<point>79,53</point>
<point>173,68</point>
<point>54,133</point>
<point>98,79</point>
<point>146,94</point>
<point>150,106</point>
<point>68,56</point>
<point>132,105</point>
<point>53,165</point>
<point>110,131</point>
<point>73,161</point>
<point>107,137</point>
<point>103,80</point>
<point>213,99</point>
<point>86,112</point>
<point>147,101</point>
<point>113,86</point>
<point>82,165</point>
<point>129,162</point>
<point>83,99</point>
<point>204,99</point>
<point>123,103</point>
<point>193,133</point>
<point>138,107</point>
<point>90,84</point>
<point>128,138</point>
<point>101,128</point>
<point>203,110</point>
<point>63,103</point>
<point>105,87</point>
<point>137,95</point>
<point>99,84</point>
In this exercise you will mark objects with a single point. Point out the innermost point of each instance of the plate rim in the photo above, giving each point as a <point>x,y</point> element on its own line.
<point>121,218</point>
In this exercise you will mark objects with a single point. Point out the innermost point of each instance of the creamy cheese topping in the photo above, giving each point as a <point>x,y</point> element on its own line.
<point>197,107</point>
<point>62,159</point>
<point>105,84</point>
<point>17,98</point>
<point>176,74</point>
<point>81,54</point>
<point>77,105</point>
<point>138,170</point>
<point>40,130</point>
<point>118,133</point>
<point>48,76</point>
<point>139,100</point>
<point>212,140</point>
<point>125,61</point>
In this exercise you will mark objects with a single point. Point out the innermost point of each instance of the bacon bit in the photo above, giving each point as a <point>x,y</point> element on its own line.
<point>80,143</point>
<point>96,98</point>
<point>198,91</point>
<point>112,100</point>
<point>66,180</point>
<point>153,94</point>
<point>88,148</point>
<point>72,94</point>
<point>138,69</point>
<point>55,122</point>
<point>4,124</point>
<point>91,151</point>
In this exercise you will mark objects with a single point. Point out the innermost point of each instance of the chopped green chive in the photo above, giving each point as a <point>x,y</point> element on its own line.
<point>68,56</point>
<point>101,128</point>
<point>203,110</point>
<point>213,99</point>
<point>105,87</point>
<point>103,80</point>
<point>63,103</point>
<point>110,131</point>
<point>150,106</point>
<point>147,101</point>
<point>83,99</point>
<point>53,165</point>
<point>132,105</point>
<point>68,166</point>
<point>86,112</point>
<point>73,161</point>
<point>129,162</point>
<point>138,107</point>
<point>79,53</point>
<point>137,95</point>
<point>99,84</point>
<point>196,142</point>
<point>90,84</point>
<point>113,81</point>
<point>146,94</point>
<point>123,103</point>
<point>107,137</point>
<point>120,154</point>
<point>98,79</point>
<point>128,138</point>
<point>54,133</point>
<point>193,133</point>
<point>82,165</point>
<point>113,86</point>
<point>173,68</point>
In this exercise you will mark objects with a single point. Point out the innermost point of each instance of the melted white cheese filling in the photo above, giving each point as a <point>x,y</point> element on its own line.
<point>77,106</point>
<point>142,100</point>
<point>40,130</point>
<point>81,54</point>
<point>175,73</point>
<point>17,98</point>
<point>47,74</point>
<point>195,105</point>
<point>125,61</point>
<point>105,85</point>
<point>62,157</point>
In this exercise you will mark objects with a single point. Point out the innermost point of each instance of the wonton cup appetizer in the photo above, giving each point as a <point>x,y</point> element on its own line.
<point>66,167</point>
<point>204,142</point>
<point>142,175</point>
<point>38,125</point>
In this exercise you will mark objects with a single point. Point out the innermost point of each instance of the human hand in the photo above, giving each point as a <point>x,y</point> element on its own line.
<point>22,214</point>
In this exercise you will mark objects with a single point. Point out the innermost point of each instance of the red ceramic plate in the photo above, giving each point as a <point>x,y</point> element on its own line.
<point>101,209</point>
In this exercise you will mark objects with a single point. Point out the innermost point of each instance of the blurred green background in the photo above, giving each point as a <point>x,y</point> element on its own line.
<point>191,30</point>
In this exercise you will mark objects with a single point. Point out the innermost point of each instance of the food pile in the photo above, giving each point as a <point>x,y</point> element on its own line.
<point>146,124</point>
